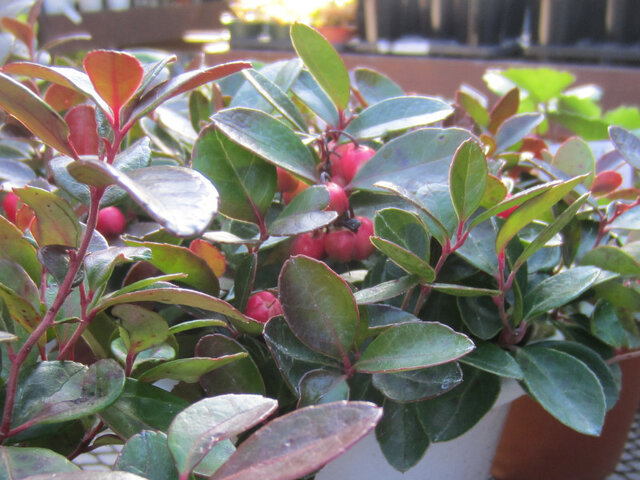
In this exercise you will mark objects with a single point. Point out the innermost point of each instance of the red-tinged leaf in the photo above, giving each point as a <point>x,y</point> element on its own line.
<point>605,182</point>
<point>22,31</point>
<point>180,84</point>
<point>506,107</point>
<point>62,98</point>
<point>35,114</point>
<point>300,442</point>
<point>115,75</point>
<point>84,129</point>
<point>65,76</point>
<point>210,254</point>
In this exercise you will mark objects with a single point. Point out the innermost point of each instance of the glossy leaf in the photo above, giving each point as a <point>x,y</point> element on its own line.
<point>412,346</point>
<point>504,108</point>
<point>409,159</point>
<point>195,430</point>
<point>627,144</point>
<point>574,157</point>
<point>244,279</point>
<point>200,109</point>
<point>565,387</point>
<point>100,265</point>
<point>21,30</point>
<point>21,462</point>
<point>612,258</point>
<point>188,370</point>
<point>606,182</point>
<point>416,385</point>
<point>146,454</point>
<point>268,138</point>
<point>318,306</point>
<point>397,114</point>
<point>322,386</point>
<point>20,309</point>
<point>531,210</point>
<point>476,109</point>
<point>409,261</point>
<point>493,359</point>
<point>311,94</point>
<point>140,328</point>
<point>240,376</point>
<point>115,75</point>
<point>481,316</point>
<point>35,114</point>
<point>293,358</point>
<point>87,475</point>
<point>60,391</point>
<point>142,407</point>
<point>246,183</point>
<point>382,316</point>
<point>190,298</point>
<point>403,228</point>
<point>402,439</point>
<point>83,129</point>
<point>14,247</point>
<point>210,254</point>
<point>542,83</point>
<point>374,87</point>
<point>386,290</point>
<point>277,98</point>
<point>450,415</point>
<point>606,326</point>
<point>559,290</point>
<point>323,63</point>
<point>176,259</point>
<point>305,213</point>
<point>467,179</point>
<point>300,442</point>
<point>182,200</point>
<point>515,129</point>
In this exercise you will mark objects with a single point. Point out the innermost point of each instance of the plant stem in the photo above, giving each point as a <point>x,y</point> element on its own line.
<point>86,440</point>
<point>49,319</point>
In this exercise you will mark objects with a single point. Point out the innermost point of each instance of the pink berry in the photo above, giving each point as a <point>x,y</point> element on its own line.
<point>111,222</point>
<point>346,160</point>
<point>262,306</point>
<point>363,247</point>
<point>286,181</point>
<point>338,200</point>
<point>340,245</point>
<point>309,244</point>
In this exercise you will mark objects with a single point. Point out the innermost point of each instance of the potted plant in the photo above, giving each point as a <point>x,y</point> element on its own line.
<point>336,20</point>
<point>372,252</point>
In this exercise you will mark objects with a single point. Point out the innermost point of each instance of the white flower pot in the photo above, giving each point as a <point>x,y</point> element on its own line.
<point>467,457</point>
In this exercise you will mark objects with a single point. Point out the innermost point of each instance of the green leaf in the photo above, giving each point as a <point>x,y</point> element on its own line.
<point>140,328</point>
<point>467,179</point>
<point>13,278</point>
<point>541,83</point>
<point>87,475</point>
<point>318,306</point>
<point>606,326</point>
<point>533,208</point>
<point>481,316</point>
<point>300,442</point>
<point>277,98</point>
<point>246,182</point>
<point>612,258</point>
<point>200,109</point>
<point>383,316</point>
<point>492,359</point>
<point>397,114</point>
<point>188,298</point>
<point>323,63</point>
<point>100,265</point>
<point>195,324</point>
<point>182,200</point>
<point>558,290</point>
<point>374,87</point>
<point>149,357</point>
<point>293,358</point>
<point>142,407</point>
<point>146,454</point>
<point>244,279</point>
<point>473,107</point>
<point>417,385</point>
<point>412,346</point>
<point>590,129</point>
<point>403,228</point>
<point>401,437</point>
<point>463,290</point>
<point>311,94</point>
<point>6,337</point>
<point>268,138</point>
<point>14,247</point>
<point>386,290</point>
<point>188,370</point>
<point>411,158</point>
<point>20,462</point>
<point>57,223</point>
<point>515,129</point>
<point>176,259</point>
<point>305,213</point>
<point>450,415</point>
<point>409,261</point>
<point>35,114</point>
<point>504,108</point>
<point>240,376</point>
<point>322,386</point>
<point>195,430</point>
<point>565,387</point>
<point>60,391</point>
<point>623,116</point>
<point>574,157</point>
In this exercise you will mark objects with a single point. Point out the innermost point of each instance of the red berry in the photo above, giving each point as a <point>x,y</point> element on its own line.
<point>262,306</point>
<point>340,245</point>
<point>291,194</point>
<point>10,205</point>
<point>364,248</point>
<point>286,181</point>
<point>309,244</point>
<point>346,160</point>
<point>111,222</point>
<point>338,200</point>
